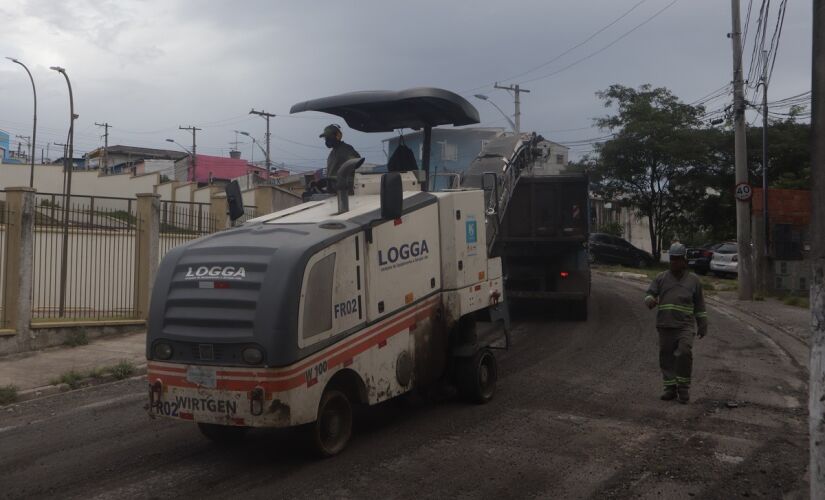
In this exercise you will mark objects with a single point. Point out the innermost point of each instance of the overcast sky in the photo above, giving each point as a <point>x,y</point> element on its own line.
<point>148,66</point>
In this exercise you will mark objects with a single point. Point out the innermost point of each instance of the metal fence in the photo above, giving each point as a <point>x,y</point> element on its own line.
<point>4,218</point>
<point>84,257</point>
<point>185,221</point>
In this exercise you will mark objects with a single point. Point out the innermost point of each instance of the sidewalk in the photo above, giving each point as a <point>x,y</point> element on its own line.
<point>791,319</point>
<point>33,374</point>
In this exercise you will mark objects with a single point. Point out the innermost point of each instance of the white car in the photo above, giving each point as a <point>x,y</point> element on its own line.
<point>725,260</point>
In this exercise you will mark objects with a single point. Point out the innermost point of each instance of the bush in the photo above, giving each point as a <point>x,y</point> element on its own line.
<point>76,338</point>
<point>612,228</point>
<point>123,369</point>
<point>8,394</point>
<point>70,378</point>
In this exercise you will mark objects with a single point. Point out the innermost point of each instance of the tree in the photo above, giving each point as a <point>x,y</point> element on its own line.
<point>655,156</point>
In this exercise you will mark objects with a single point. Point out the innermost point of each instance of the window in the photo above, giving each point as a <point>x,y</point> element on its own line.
<point>560,159</point>
<point>449,152</point>
<point>318,297</point>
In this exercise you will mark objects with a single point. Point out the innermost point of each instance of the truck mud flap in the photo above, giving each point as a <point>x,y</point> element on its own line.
<point>486,334</point>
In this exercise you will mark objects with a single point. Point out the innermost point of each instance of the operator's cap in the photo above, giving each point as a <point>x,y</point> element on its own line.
<point>331,130</point>
<point>677,250</point>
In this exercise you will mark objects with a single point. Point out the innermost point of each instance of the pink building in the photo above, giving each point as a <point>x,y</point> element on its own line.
<point>218,167</point>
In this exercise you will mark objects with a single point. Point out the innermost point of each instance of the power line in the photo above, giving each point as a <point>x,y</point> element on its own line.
<point>574,47</point>
<point>777,35</point>
<point>614,42</point>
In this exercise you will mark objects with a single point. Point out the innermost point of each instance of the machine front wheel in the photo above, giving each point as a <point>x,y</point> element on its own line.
<point>333,428</point>
<point>477,376</point>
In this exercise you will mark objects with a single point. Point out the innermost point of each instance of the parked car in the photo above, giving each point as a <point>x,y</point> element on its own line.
<point>699,257</point>
<point>612,249</point>
<point>725,261</point>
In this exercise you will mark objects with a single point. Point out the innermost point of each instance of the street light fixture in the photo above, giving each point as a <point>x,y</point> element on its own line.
<point>255,142</point>
<point>34,125</point>
<point>183,148</point>
<point>485,98</point>
<point>179,145</point>
<point>68,167</point>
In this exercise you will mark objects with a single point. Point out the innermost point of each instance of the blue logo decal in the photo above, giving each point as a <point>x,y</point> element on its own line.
<point>471,230</point>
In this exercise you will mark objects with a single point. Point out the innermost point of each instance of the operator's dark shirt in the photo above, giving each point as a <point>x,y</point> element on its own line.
<point>338,155</point>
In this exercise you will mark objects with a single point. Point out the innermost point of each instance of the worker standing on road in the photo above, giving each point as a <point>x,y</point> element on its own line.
<point>340,150</point>
<point>678,295</point>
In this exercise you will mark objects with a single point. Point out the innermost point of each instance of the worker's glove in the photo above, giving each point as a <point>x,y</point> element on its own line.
<point>651,302</point>
<point>702,331</point>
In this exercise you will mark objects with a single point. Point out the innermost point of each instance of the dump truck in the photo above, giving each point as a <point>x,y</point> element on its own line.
<point>369,290</point>
<point>538,223</point>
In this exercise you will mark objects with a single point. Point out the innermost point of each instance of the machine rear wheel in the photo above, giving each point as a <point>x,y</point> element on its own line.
<point>222,434</point>
<point>332,430</point>
<point>477,376</point>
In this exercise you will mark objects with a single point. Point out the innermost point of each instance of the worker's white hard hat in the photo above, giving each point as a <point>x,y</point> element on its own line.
<point>677,250</point>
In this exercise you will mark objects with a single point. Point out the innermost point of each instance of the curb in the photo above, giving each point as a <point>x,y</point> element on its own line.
<point>50,390</point>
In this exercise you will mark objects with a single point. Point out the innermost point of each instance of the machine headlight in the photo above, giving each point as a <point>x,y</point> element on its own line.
<point>163,350</point>
<point>252,355</point>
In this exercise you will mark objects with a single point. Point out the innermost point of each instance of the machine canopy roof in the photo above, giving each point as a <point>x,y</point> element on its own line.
<point>385,111</point>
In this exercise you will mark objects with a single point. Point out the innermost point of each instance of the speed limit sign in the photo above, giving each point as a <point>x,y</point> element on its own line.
<point>743,191</point>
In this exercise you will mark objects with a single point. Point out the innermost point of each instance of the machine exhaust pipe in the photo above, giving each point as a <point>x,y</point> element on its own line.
<point>344,182</point>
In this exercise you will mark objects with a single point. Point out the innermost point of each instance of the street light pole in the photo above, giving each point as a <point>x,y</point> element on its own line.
<point>69,166</point>
<point>485,98</point>
<point>191,176</point>
<point>183,148</point>
<point>256,143</point>
<point>34,120</point>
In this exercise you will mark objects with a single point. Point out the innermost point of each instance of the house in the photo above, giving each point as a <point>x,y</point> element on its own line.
<point>452,149</point>
<point>78,163</point>
<point>553,158</point>
<point>124,159</point>
<point>10,155</point>
<point>4,146</point>
<point>789,237</point>
<point>210,168</point>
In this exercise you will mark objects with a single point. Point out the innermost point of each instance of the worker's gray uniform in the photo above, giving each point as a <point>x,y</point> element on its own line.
<point>681,302</point>
<point>338,155</point>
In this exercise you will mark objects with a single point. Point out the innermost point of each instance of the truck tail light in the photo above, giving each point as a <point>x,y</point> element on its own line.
<point>564,274</point>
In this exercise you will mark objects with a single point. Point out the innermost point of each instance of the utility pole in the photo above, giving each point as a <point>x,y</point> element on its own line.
<point>105,126</point>
<point>743,208</point>
<point>28,145</point>
<point>516,90</point>
<point>266,116</point>
<point>762,265</point>
<point>816,385</point>
<point>192,170</point>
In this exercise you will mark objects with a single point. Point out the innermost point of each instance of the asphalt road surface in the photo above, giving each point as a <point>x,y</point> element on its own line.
<point>576,415</point>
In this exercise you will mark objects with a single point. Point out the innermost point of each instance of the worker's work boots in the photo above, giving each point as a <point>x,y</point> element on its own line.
<point>669,394</point>
<point>683,394</point>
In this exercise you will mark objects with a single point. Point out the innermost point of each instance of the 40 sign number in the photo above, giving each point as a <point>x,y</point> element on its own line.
<point>743,191</point>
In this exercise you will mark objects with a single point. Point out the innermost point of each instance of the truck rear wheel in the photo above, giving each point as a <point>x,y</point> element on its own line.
<point>222,434</point>
<point>579,310</point>
<point>332,430</point>
<point>477,376</point>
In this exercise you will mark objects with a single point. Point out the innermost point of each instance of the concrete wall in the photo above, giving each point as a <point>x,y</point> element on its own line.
<point>184,192</point>
<point>635,229</point>
<point>166,191</point>
<point>49,179</point>
<point>203,195</point>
